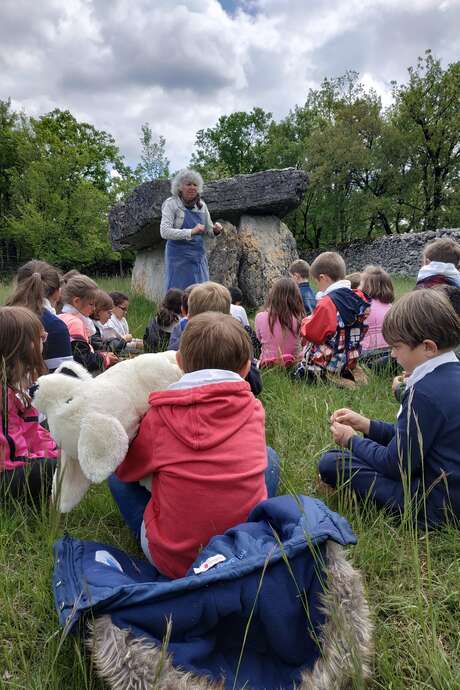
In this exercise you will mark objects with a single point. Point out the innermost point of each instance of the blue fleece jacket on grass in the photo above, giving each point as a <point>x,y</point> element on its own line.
<point>210,608</point>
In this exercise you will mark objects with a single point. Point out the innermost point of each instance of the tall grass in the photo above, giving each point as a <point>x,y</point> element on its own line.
<point>412,578</point>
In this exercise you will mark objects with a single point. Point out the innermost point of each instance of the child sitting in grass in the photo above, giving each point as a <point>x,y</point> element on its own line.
<point>203,440</point>
<point>416,461</point>
<point>333,334</point>
<point>239,312</point>
<point>159,329</point>
<point>79,298</point>
<point>278,325</point>
<point>376,284</point>
<point>210,296</point>
<point>28,453</point>
<point>176,333</point>
<point>299,271</point>
<point>440,263</point>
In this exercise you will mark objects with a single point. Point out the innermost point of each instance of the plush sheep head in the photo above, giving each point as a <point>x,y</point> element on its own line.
<point>93,420</point>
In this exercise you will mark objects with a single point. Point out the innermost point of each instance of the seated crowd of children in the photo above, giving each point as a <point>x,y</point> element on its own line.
<point>207,476</point>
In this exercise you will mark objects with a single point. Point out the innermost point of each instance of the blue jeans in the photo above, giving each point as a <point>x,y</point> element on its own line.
<point>132,498</point>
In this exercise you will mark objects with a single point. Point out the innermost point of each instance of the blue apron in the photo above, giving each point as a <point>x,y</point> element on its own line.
<point>185,260</point>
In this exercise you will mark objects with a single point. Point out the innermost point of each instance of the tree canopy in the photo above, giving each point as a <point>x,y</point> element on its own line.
<point>372,170</point>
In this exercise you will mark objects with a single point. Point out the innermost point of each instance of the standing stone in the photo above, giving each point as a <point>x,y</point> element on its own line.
<point>148,276</point>
<point>254,249</point>
<point>268,248</point>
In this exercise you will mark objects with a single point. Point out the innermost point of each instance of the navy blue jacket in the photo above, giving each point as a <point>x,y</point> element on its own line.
<point>210,610</point>
<point>56,348</point>
<point>424,443</point>
<point>308,297</point>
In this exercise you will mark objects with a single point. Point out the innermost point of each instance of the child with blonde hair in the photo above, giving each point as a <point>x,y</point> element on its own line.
<point>79,299</point>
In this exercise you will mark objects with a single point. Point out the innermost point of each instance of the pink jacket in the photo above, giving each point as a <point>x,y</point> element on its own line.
<point>374,339</point>
<point>205,447</point>
<point>21,436</point>
<point>279,346</point>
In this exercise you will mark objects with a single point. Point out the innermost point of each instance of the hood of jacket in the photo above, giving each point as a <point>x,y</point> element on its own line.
<point>205,416</point>
<point>349,304</point>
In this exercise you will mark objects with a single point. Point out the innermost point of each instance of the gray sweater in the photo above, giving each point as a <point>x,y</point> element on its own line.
<point>172,218</point>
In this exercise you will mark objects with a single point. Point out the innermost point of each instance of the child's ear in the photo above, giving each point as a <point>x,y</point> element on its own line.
<point>244,371</point>
<point>431,349</point>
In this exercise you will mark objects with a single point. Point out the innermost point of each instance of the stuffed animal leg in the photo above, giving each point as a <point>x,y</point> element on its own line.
<point>69,484</point>
<point>102,446</point>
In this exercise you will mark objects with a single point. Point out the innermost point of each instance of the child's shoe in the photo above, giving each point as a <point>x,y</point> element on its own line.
<point>360,376</point>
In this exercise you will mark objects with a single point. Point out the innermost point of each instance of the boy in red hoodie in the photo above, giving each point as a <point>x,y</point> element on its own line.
<point>333,333</point>
<point>203,441</point>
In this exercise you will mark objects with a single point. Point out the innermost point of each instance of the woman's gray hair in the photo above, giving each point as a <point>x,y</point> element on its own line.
<point>186,175</point>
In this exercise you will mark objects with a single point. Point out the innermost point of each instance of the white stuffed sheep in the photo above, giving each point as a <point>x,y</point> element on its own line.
<point>93,420</point>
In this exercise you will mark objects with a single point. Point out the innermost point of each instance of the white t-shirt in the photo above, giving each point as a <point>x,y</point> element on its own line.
<point>239,312</point>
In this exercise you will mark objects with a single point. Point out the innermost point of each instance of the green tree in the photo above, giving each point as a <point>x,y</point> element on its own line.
<point>427,111</point>
<point>61,191</point>
<point>237,144</point>
<point>154,163</point>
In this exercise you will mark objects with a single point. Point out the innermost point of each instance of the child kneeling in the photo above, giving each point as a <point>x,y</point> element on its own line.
<point>416,461</point>
<point>203,441</point>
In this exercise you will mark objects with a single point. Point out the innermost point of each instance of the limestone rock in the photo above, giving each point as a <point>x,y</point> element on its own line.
<point>224,256</point>
<point>135,222</point>
<point>268,248</point>
<point>148,277</point>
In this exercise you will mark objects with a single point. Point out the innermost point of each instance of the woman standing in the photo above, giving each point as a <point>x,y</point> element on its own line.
<point>184,220</point>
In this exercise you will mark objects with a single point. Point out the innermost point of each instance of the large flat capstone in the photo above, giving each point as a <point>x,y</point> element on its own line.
<point>135,222</point>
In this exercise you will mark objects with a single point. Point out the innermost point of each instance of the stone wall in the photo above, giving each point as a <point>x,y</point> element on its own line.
<point>396,253</point>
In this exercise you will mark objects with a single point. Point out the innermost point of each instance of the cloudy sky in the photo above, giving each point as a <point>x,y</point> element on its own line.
<point>179,65</point>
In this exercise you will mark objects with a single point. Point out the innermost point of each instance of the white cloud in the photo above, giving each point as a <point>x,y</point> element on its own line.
<point>181,64</point>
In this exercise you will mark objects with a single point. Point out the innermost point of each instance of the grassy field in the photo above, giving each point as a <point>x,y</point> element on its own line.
<point>412,578</point>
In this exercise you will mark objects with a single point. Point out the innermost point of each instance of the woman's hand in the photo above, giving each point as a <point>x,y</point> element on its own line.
<point>342,433</point>
<point>217,227</point>
<point>128,337</point>
<point>347,417</point>
<point>198,229</point>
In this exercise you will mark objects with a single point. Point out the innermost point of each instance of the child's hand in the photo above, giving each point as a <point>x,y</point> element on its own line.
<point>356,421</point>
<point>342,433</point>
<point>111,358</point>
<point>397,381</point>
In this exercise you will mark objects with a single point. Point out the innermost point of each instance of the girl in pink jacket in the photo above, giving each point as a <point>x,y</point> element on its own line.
<point>27,451</point>
<point>278,326</point>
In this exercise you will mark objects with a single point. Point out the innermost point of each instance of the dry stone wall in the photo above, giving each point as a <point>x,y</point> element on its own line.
<point>399,254</point>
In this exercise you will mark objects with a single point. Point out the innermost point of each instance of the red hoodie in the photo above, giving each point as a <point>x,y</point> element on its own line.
<point>206,449</point>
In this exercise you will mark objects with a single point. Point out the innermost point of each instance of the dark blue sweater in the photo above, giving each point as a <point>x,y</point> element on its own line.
<point>424,443</point>
<point>308,297</point>
<point>56,349</point>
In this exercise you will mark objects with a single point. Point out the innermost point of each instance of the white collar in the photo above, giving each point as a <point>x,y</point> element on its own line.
<point>439,268</point>
<point>47,305</point>
<point>427,367</point>
<point>334,286</point>
<point>202,377</point>
<point>88,323</point>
